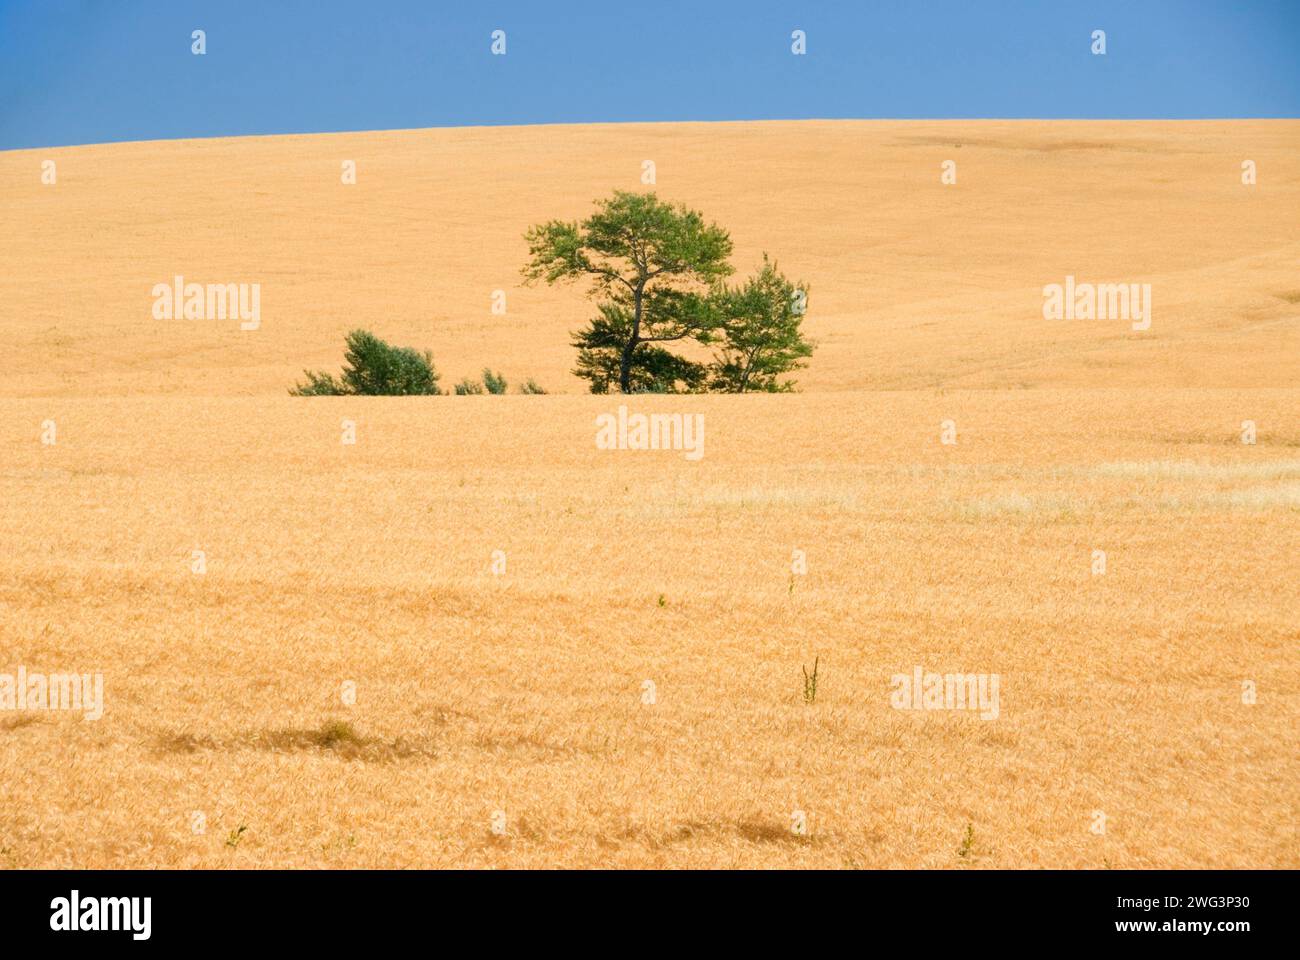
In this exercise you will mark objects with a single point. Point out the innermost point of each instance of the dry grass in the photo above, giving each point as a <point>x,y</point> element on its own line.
<point>523,693</point>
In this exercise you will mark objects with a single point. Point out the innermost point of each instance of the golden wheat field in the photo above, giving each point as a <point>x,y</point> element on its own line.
<point>474,639</point>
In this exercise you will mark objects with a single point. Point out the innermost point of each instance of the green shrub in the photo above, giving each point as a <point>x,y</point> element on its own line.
<point>319,385</point>
<point>495,383</point>
<point>375,368</point>
<point>468,387</point>
<point>530,386</point>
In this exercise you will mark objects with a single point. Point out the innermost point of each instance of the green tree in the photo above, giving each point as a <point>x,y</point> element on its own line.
<point>374,368</point>
<point>759,333</point>
<point>651,264</point>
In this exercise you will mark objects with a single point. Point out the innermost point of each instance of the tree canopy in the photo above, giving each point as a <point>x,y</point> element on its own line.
<point>760,337</point>
<point>652,264</point>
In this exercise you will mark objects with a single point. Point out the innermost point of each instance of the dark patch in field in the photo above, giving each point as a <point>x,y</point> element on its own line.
<point>334,738</point>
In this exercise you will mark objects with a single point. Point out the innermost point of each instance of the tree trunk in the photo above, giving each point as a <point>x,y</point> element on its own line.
<point>625,363</point>
<point>625,366</point>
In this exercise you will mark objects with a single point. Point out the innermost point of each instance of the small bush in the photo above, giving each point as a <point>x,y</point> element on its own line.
<point>530,386</point>
<point>468,387</point>
<point>319,385</point>
<point>495,383</point>
<point>374,368</point>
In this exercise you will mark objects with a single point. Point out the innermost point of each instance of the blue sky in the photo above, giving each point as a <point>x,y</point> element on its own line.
<point>91,71</point>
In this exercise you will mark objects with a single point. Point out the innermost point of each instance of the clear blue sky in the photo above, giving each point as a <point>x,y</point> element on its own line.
<point>103,70</point>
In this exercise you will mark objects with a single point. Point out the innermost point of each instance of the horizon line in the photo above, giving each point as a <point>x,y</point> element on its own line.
<point>609,123</point>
